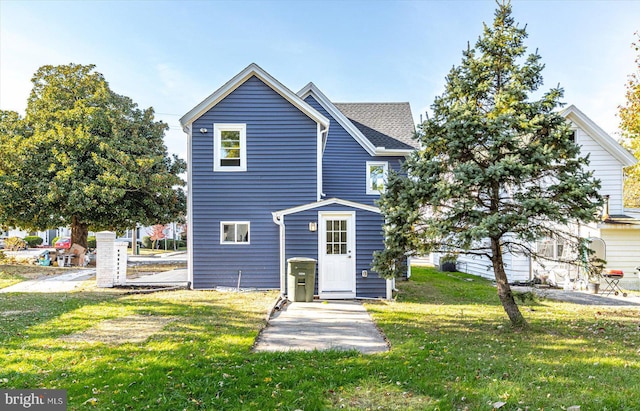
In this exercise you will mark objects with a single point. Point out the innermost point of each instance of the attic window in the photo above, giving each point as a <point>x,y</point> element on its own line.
<point>230,147</point>
<point>572,136</point>
<point>376,176</point>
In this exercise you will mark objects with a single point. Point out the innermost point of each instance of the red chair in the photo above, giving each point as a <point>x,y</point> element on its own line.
<point>612,278</point>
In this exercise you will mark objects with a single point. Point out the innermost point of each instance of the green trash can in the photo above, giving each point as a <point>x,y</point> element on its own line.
<point>301,281</point>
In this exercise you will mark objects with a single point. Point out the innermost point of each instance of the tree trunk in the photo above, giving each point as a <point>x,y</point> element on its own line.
<point>79,232</point>
<point>504,290</point>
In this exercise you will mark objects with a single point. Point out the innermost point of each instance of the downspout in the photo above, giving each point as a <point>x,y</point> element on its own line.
<point>189,131</point>
<point>279,220</point>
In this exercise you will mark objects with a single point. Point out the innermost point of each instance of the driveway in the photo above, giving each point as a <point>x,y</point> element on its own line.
<point>322,325</point>
<point>581,297</point>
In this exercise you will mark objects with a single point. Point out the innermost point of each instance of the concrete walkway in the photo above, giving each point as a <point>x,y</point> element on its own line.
<point>582,297</point>
<point>177,277</point>
<point>322,325</point>
<point>57,284</point>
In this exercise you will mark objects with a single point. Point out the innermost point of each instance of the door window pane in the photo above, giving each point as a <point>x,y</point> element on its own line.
<point>336,237</point>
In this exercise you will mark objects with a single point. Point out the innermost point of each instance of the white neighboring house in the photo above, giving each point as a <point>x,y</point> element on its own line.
<point>47,235</point>
<point>619,228</point>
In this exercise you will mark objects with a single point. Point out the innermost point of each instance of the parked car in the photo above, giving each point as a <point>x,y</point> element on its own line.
<point>63,243</point>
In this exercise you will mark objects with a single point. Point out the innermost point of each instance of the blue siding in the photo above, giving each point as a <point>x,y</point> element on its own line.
<point>300,242</point>
<point>281,173</point>
<point>344,163</point>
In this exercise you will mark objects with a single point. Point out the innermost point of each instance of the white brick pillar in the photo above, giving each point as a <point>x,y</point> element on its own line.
<point>120,268</point>
<point>105,258</point>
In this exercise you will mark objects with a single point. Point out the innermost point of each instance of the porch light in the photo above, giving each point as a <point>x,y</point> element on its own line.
<point>313,226</point>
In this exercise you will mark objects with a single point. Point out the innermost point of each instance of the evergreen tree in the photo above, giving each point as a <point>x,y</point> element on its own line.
<point>497,170</point>
<point>85,157</point>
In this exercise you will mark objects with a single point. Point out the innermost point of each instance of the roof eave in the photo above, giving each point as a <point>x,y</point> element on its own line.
<point>322,203</point>
<point>311,89</point>
<point>602,137</point>
<point>381,151</point>
<point>252,70</point>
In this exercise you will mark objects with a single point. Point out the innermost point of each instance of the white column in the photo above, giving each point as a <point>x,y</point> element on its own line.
<point>105,259</point>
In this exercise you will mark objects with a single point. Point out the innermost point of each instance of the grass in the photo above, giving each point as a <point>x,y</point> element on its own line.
<point>155,251</point>
<point>452,349</point>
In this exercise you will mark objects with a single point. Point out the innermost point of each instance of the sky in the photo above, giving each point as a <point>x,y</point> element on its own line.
<point>171,55</point>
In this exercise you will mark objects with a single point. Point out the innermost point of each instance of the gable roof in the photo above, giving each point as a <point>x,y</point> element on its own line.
<point>388,125</point>
<point>322,203</point>
<point>599,135</point>
<point>380,128</point>
<point>250,71</point>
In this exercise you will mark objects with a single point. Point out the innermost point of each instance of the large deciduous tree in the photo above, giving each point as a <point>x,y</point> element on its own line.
<point>85,157</point>
<point>496,170</point>
<point>630,125</point>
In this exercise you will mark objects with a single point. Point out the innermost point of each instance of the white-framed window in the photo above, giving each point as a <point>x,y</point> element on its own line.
<point>376,176</point>
<point>552,248</point>
<point>234,232</point>
<point>229,147</point>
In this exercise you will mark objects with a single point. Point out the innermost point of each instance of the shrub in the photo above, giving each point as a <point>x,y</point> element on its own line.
<point>146,241</point>
<point>54,241</point>
<point>33,240</point>
<point>91,241</point>
<point>15,244</point>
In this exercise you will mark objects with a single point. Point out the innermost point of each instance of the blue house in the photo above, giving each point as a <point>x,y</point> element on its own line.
<point>275,174</point>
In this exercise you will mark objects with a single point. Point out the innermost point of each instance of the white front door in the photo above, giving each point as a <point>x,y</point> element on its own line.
<point>337,243</point>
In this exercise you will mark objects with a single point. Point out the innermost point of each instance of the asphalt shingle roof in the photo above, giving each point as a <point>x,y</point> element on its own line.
<point>388,125</point>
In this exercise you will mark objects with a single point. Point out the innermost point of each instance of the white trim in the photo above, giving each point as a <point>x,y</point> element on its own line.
<point>189,207</point>
<point>323,203</point>
<point>218,128</point>
<point>311,89</point>
<point>381,151</point>
<point>352,247</point>
<point>236,223</point>
<point>576,116</point>
<point>250,71</point>
<point>385,166</point>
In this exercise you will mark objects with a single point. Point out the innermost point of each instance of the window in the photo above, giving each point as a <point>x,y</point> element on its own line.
<point>234,232</point>
<point>572,136</point>
<point>553,248</point>
<point>230,147</point>
<point>376,176</point>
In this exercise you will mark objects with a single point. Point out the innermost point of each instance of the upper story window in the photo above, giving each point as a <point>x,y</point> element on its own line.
<point>230,147</point>
<point>573,135</point>
<point>234,232</point>
<point>376,176</point>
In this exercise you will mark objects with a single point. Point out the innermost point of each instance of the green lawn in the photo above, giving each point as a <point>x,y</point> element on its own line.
<point>452,349</point>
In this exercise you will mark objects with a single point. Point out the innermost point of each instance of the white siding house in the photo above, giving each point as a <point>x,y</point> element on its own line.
<point>619,228</point>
